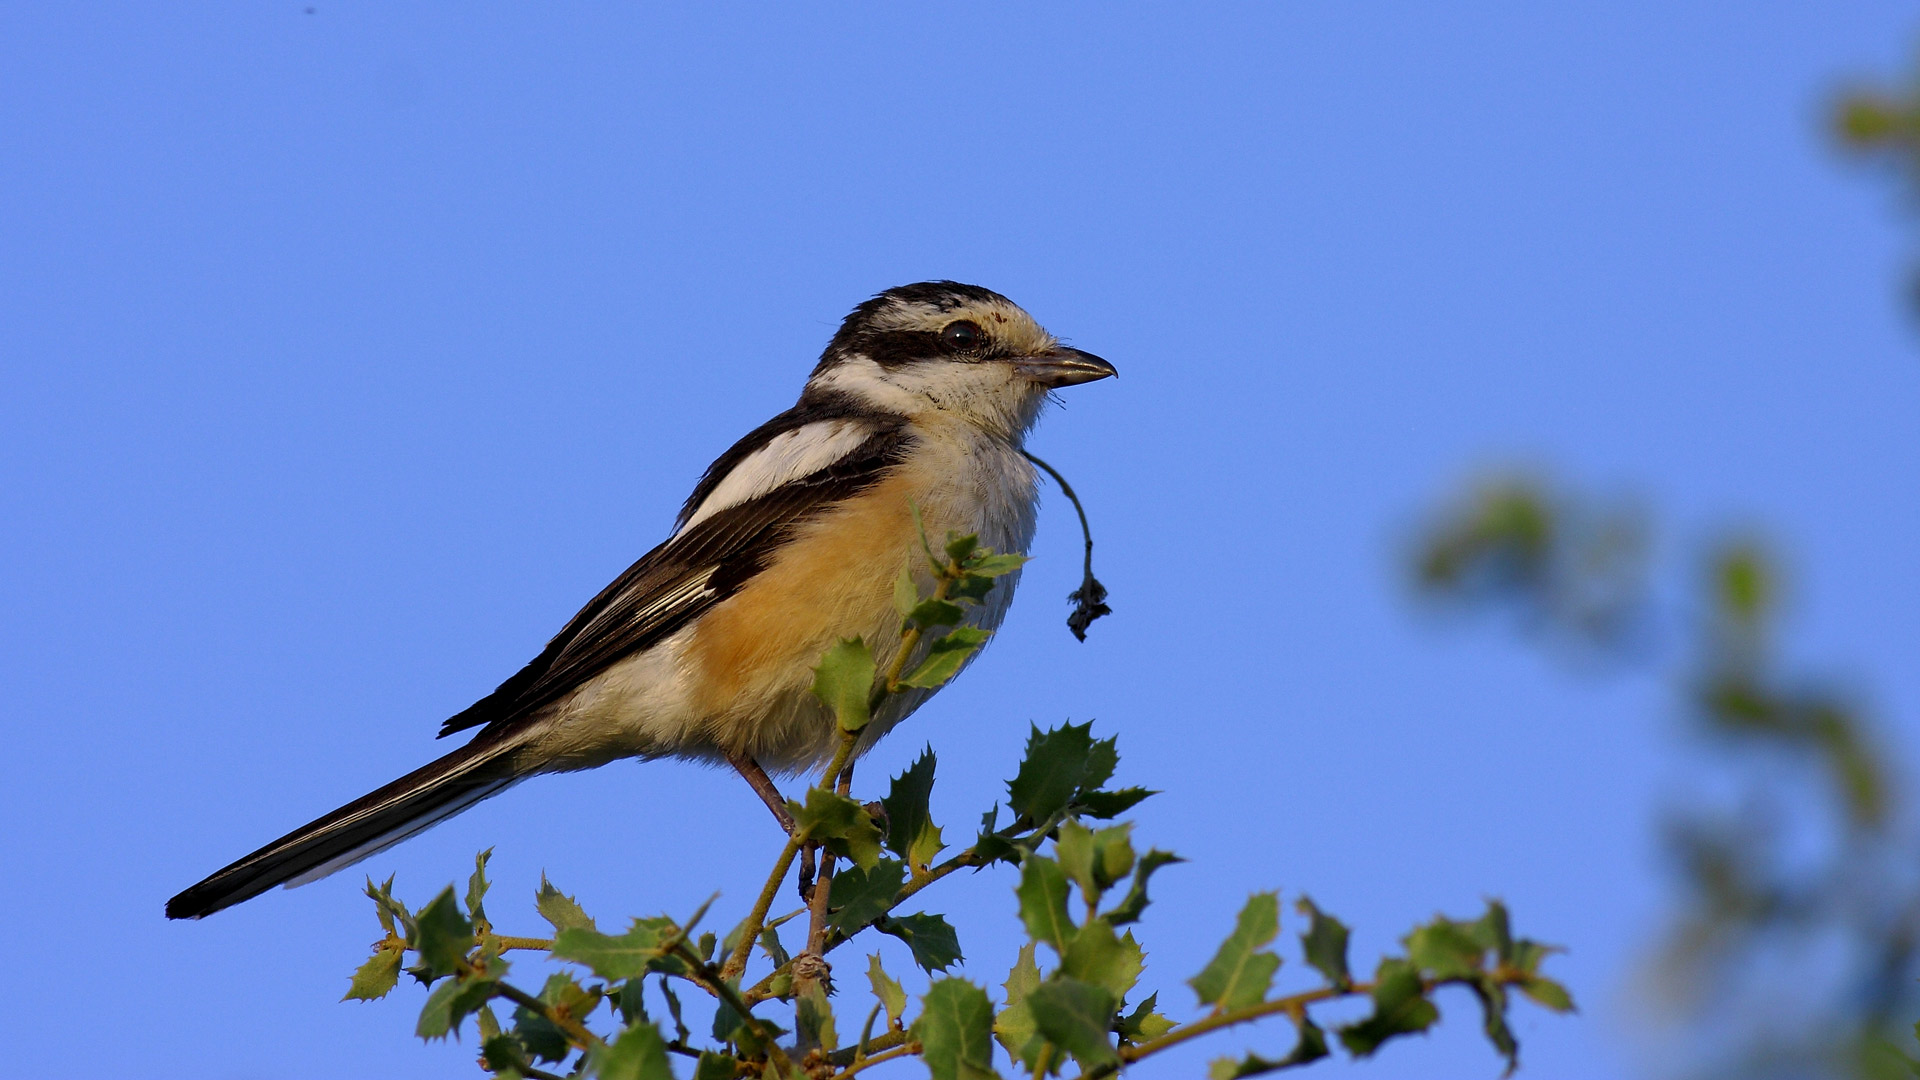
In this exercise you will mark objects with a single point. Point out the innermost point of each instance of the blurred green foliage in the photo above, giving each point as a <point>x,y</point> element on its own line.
<point>1791,952</point>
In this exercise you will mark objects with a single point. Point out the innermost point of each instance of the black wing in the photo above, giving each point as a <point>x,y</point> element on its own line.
<point>675,582</point>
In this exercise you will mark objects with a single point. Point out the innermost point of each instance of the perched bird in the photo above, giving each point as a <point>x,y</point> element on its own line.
<point>705,648</point>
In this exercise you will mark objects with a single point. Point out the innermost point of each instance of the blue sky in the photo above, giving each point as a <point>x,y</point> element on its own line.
<point>347,353</point>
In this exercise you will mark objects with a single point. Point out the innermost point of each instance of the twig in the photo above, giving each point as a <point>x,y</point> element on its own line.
<point>905,1050</point>
<point>756,919</point>
<point>507,943</point>
<point>725,991</point>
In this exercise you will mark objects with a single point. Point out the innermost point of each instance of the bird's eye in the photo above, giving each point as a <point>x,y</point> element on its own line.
<point>962,335</point>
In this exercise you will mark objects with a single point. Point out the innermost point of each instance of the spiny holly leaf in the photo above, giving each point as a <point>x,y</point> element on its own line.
<point>889,992</point>
<point>477,888</point>
<point>1107,805</point>
<point>813,1016</point>
<point>989,847</point>
<point>1077,1017</point>
<point>1444,948</point>
<point>1547,992</point>
<point>860,896</point>
<point>640,1053</point>
<point>930,613</point>
<point>1400,1007</point>
<point>535,1032</point>
<point>442,935</point>
<point>960,547</point>
<point>844,680</point>
<point>1493,931</point>
<point>454,1000</point>
<point>841,825</point>
<point>1103,757</point>
<point>911,833</point>
<point>1311,1046</point>
<point>1528,954</point>
<point>1099,958</point>
<point>1240,973</point>
<point>993,566</point>
<point>712,1066</point>
<point>1493,1019</point>
<point>1043,895</point>
<point>906,595</point>
<point>1014,1026</point>
<point>1135,902</point>
<point>935,946</point>
<point>946,656</point>
<point>560,909</point>
<point>955,1030</point>
<point>377,976</point>
<point>393,915</point>
<point>1325,943</point>
<point>1094,860</point>
<point>1052,771</point>
<point>502,1055</point>
<point>1144,1024</point>
<point>633,953</point>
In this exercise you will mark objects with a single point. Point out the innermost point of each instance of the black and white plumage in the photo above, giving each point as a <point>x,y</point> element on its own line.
<point>704,648</point>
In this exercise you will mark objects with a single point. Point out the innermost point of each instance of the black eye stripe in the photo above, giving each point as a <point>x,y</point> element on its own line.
<point>891,348</point>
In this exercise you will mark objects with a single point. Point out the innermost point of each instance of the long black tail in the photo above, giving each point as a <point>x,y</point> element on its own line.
<point>369,824</point>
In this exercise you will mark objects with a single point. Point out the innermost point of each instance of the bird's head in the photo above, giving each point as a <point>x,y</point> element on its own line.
<point>940,346</point>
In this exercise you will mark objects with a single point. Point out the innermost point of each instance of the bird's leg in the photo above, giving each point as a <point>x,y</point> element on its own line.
<point>762,785</point>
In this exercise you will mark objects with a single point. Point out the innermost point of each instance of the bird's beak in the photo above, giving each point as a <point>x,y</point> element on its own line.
<point>1062,366</point>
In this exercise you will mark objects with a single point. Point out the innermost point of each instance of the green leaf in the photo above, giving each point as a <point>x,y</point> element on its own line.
<point>860,896</point>
<point>844,680</point>
<point>375,977</point>
<point>955,1030</point>
<point>1493,1020</point>
<point>712,1066</point>
<point>442,935</point>
<point>477,887</point>
<point>1050,774</point>
<point>1400,1007</point>
<point>840,825</point>
<point>1043,902</point>
<point>1014,1026</point>
<point>1325,943</point>
<point>1310,1047</point>
<point>1077,1017</point>
<point>888,991</point>
<point>993,566</point>
<point>1107,805</point>
<point>1240,973</point>
<point>911,833</point>
<point>1135,902</point>
<point>959,547</point>
<point>1144,1023</point>
<point>906,595</point>
<point>770,943</point>
<point>393,915</point>
<point>535,1032</point>
<point>1103,757</point>
<point>1098,958</point>
<point>1094,860</point>
<point>1493,931</point>
<point>1445,949</point>
<point>560,909</point>
<point>450,1003</point>
<point>946,656</point>
<point>1528,954</point>
<point>813,1016</point>
<point>633,953</point>
<point>1547,992</point>
<point>501,1055</point>
<point>639,1054</point>
<point>928,614</point>
<point>935,946</point>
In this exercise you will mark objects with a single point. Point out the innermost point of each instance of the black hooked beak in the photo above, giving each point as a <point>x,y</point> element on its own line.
<point>1062,366</point>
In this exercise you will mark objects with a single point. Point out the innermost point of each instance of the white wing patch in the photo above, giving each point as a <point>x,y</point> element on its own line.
<point>786,457</point>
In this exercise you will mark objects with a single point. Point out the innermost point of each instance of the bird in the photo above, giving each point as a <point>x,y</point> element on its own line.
<point>914,418</point>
